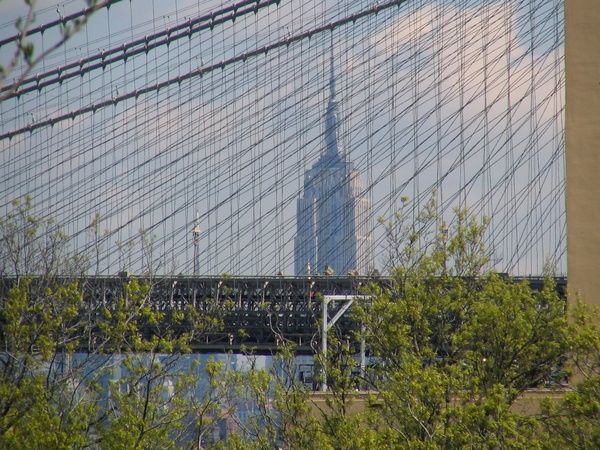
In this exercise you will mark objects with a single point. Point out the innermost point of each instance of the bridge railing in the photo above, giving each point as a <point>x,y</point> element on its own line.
<point>255,313</point>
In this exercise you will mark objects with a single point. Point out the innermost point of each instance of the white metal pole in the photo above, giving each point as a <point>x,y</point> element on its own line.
<point>324,346</point>
<point>363,357</point>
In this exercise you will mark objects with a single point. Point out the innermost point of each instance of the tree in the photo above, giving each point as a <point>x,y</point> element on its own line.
<point>573,422</point>
<point>452,344</point>
<point>457,344</point>
<point>76,373</point>
<point>38,319</point>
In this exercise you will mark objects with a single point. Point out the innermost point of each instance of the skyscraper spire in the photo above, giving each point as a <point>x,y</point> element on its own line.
<point>333,214</point>
<point>332,75</point>
<point>331,138</point>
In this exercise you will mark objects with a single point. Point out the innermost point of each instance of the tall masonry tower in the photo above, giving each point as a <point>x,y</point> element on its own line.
<point>582,151</point>
<point>333,215</point>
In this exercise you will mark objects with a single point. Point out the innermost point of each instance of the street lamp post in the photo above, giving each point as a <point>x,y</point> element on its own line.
<point>196,241</point>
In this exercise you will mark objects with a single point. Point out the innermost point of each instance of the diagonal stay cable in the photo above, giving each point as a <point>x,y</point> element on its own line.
<point>142,45</point>
<point>207,69</point>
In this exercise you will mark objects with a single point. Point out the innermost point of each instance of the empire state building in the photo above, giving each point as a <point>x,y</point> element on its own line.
<point>333,214</point>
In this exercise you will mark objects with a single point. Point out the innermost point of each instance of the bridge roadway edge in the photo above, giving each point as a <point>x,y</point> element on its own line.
<point>257,313</point>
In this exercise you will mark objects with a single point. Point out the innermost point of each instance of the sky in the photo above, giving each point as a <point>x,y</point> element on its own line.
<point>459,100</point>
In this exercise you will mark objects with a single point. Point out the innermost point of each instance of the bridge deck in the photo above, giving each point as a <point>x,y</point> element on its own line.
<point>257,313</point>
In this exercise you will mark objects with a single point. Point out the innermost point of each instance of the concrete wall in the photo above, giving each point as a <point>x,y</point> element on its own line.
<point>527,404</point>
<point>582,27</point>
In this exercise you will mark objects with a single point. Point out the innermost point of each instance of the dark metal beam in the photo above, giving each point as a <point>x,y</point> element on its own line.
<point>257,313</point>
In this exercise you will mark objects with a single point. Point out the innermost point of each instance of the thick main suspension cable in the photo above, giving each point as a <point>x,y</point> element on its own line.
<point>139,46</point>
<point>207,69</point>
<point>63,21</point>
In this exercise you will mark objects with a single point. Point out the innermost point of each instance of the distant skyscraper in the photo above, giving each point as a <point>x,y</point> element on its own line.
<point>333,215</point>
